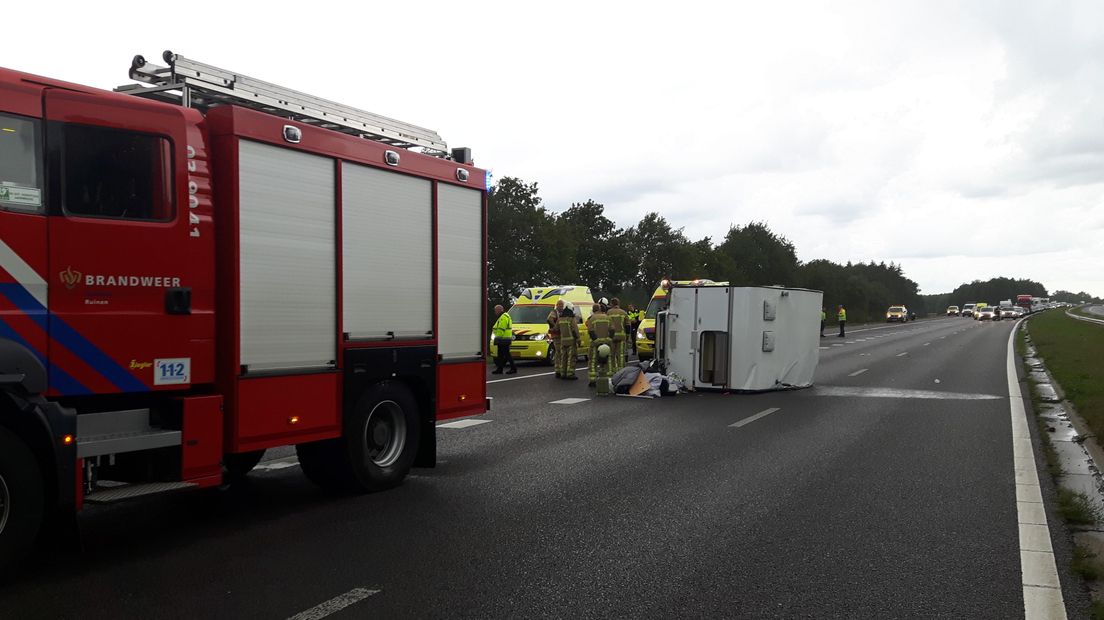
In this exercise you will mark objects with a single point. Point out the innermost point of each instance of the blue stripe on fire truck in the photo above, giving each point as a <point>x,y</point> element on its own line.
<point>59,379</point>
<point>71,339</point>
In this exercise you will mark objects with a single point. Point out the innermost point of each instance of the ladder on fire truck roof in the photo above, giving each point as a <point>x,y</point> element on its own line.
<point>203,86</point>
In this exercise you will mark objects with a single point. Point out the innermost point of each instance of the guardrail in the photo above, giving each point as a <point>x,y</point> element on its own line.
<point>1083,318</point>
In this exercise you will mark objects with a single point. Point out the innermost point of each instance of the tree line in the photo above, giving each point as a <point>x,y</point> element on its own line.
<point>530,245</point>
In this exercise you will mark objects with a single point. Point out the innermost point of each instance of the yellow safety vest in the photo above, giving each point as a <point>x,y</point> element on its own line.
<point>843,315</point>
<point>503,327</point>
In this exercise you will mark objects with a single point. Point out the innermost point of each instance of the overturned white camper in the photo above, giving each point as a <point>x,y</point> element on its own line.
<point>752,338</point>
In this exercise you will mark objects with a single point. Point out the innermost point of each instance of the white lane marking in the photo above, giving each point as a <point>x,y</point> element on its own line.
<point>902,354</point>
<point>539,374</point>
<point>837,345</point>
<point>462,423</point>
<point>568,401</point>
<point>849,342</point>
<point>1042,591</point>
<point>926,344</point>
<point>823,348</point>
<point>335,604</point>
<point>858,372</point>
<point>942,337</point>
<point>864,392</point>
<point>761,414</point>
<point>275,464</point>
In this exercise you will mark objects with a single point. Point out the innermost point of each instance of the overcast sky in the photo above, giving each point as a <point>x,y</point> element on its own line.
<point>963,140</point>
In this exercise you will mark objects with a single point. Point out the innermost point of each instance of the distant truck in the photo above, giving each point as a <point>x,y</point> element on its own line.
<point>1024,301</point>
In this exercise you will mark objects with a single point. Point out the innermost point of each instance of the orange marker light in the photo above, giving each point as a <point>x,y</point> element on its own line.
<point>463,397</point>
<point>293,419</point>
<point>67,440</point>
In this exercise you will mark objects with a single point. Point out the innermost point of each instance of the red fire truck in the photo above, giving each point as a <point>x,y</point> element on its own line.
<point>201,266</point>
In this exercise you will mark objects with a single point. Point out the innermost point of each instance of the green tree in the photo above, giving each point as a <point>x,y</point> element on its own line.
<point>521,246</point>
<point>757,256</point>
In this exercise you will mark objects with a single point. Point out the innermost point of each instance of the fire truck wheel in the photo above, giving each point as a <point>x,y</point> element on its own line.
<point>22,503</point>
<point>382,436</point>
<point>377,448</point>
<point>238,465</point>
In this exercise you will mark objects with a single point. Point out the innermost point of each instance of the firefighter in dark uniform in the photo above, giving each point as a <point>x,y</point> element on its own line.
<point>554,336</point>
<point>619,328</point>
<point>568,342</point>
<point>599,327</point>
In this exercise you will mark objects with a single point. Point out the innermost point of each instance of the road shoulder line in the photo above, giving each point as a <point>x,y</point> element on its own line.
<point>1042,590</point>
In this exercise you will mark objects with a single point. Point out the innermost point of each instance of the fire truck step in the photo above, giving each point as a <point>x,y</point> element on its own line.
<point>114,494</point>
<point>116,432</point>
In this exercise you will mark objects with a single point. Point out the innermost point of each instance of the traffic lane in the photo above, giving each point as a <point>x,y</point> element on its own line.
<point>683,512</point>
<point>928,361</point>
<point>608,513</point>
<point>873,350</point>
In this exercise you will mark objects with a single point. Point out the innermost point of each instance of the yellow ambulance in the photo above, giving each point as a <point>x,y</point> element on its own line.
<point>530,316</point>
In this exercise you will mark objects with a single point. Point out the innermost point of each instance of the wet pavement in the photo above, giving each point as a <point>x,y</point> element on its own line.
<point>893,497</point>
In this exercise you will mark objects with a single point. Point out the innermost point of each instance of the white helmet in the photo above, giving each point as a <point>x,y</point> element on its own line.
<point>603,301</point>
<point>569,306</point>
<point>603,351</point>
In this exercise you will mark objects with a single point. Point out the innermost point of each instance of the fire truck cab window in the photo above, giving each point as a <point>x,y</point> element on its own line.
<point>117,174</point>
<point>20,168</point>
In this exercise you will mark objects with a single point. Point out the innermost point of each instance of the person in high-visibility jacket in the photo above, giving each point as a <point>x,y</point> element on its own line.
<point>503,333</point>
<point>599,327</point>
<point>568,342</point>
<point>634,323</point>
<point>619,329</point>
<point>842,316</point>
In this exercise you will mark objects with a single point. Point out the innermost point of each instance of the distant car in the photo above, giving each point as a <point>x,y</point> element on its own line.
<point>1008,312</point>
<point>897,313</point>
<point>985,314</point>
<point>952,310</point>
<point>1018,312</point>
<point>968,310</point>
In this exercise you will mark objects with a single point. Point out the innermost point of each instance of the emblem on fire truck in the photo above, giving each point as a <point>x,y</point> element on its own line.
<point>69,277</point>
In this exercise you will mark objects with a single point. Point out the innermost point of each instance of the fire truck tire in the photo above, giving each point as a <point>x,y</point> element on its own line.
<point>22,503</point>
<point>238,465</point>
<point>377,449</point>
<point>382,436</point>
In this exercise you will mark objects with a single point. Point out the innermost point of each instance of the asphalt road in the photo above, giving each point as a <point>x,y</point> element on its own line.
<point>887,490</point>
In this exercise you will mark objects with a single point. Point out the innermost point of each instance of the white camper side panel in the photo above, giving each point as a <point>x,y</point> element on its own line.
<point>288,279</point>
<point>460,272</point>
<point>677,340</point>
<point>387,254</point>
<point>775,338</point>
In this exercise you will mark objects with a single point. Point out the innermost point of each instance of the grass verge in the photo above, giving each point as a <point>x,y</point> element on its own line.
<point>1076,508</point>
<point>1074,354</point>
<point>1084,563</point>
